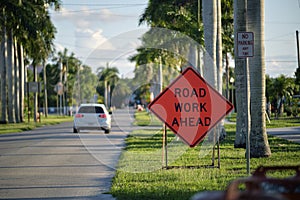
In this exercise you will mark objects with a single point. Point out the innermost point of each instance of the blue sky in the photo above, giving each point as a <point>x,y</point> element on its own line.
<point>112,26</point>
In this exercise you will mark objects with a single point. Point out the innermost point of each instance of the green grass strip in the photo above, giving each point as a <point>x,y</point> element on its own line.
<point>140,174</point>
<point>25,126</point>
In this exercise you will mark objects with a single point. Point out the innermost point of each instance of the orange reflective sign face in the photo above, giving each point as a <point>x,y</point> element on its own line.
<point>190,107</point>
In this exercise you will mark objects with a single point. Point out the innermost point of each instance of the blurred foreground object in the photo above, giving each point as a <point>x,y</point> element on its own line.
<point>259,187</point>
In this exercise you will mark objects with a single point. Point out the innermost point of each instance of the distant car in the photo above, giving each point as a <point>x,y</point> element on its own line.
<point>92,116</point>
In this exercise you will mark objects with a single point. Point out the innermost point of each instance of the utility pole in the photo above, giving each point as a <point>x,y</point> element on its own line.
<point>297,73</point>
<point>298,55</point>
<point>65,69</point>
<point>60,80</point>
<point>35,104</point>
<point>45,91</point>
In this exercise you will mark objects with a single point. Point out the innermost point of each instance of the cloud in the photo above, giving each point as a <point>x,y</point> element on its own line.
<point>88,40</point>
<point>285,64</point>
<point>86,17</point>
<point>59,47</point>
<point>83,34</point>
<point>115,51</point>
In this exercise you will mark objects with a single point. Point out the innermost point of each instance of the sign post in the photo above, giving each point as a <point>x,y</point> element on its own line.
<point>165,147</point>
<point>245,45</point>
<point>190,107</point>
<point>33,87</point>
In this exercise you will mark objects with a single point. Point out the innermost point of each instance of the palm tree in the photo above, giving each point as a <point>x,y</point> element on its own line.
<point>178,16</point>
<point>121,92</point>
<point>108,76</point>
<point>227,37</point>
<point>16,81</point>
<point>283,89</point>
<point>3,73</point>
<point>219,55</point>
<point>28,23</point>
<point>259,146</point>
<point>219,60</point>
<point>70,66</point>
<point>165,47</point>
<point>21,81</point>
<point>85,85</point>
<point>40,46</point>
<point>212,38</point>
<point>10,78</point>
<point>240,8</point>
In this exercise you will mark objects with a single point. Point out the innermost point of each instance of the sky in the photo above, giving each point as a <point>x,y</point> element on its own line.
<point>101,32</point>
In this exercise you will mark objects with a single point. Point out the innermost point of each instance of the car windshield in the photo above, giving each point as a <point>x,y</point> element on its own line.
<point>91,109</point>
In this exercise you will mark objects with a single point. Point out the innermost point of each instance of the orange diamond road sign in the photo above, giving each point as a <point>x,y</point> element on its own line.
<point>190,107</point>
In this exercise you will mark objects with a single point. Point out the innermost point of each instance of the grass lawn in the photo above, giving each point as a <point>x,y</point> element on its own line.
<point>146,119</point>
<point>140,174</point>
<point>274,123</point>
<point>19,127</point>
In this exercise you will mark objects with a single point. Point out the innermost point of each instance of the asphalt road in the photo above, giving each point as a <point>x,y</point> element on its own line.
<point>54,163</point>
<point>288,133</point>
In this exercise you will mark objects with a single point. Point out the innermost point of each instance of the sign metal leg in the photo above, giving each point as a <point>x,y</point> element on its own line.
<point>214,147</point>
<point>218,146</point>
<point>164,148</point>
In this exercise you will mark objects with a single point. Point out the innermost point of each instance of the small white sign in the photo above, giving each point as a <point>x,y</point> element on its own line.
<point>34,87</point>
<point>245,44</point>
<point>59,88</point>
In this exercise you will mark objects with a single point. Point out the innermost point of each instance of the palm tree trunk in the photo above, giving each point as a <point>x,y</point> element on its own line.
<point>16,82</point>
<point>219,63</point>
<point>108,96</point>
<point>227,75</point>
<point>240,63</point>
<point>192,57</point>
<point>219,56</point>
<point>210,32</point>
<point>10,78</point>
<point>35,94</point>
<point>21,81</point>
<point>259,146</point>
<point>3,76</point>
<point>105,93</point>
<point>199,58</point>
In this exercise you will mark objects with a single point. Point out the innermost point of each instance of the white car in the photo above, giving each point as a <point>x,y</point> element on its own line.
<point>92,116</point>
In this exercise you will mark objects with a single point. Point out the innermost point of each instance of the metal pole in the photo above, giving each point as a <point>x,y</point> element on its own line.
<point>247,92</point>
<point>233,96</point>
<point>298,54</point>
<point>213,154</point>
<point>163,148</point>
<point>166,145</point>
<point>63,101</point>
<point>35,99</point>
<point>39,102</point>
<point>45,91</point>
<point>60,104</point>
<point>66,87</point>
<point>60,80</point>
<point>57,106</point>
<point>28,103</point>
<point>218,144</point>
